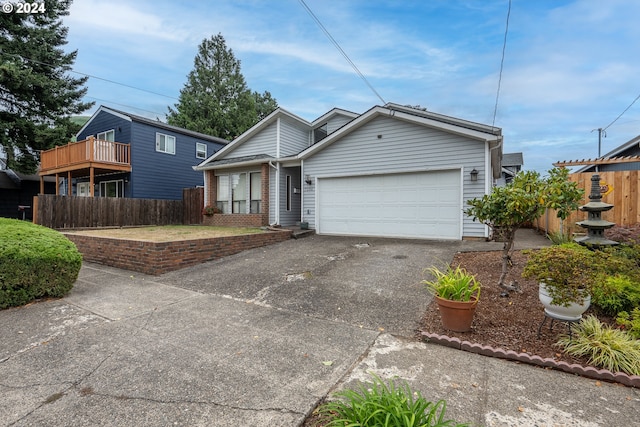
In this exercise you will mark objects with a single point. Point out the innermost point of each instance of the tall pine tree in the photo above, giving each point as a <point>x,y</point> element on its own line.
<point>216,100</point>
<point>37,95</point>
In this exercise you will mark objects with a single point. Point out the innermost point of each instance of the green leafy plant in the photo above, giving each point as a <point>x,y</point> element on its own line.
<point>35,262</point>
<point>210,210</point>
<point>630,322</point>
<point>606,347</point>
<point>613,294</point>
<point>454,284</point>
<point>382,404</point>
<point>558,238</point>
<point>569,271</point>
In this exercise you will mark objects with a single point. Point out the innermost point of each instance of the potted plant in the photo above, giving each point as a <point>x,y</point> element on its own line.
<point>210,210</point>
<point>567,274</point>
<point>457,293</point>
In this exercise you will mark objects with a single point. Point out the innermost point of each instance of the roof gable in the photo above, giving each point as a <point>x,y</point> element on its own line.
<point>252,132</point>
<point>471,130</point>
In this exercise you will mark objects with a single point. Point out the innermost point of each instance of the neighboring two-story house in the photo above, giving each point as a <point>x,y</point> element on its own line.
<point>124,155</point>
<point>392,171</point>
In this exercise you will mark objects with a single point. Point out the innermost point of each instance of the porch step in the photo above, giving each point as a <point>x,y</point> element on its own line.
<point>298,233</point>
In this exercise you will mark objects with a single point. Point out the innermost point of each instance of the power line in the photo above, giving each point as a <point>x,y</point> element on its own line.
<point>625,110</point>
<point>335,43</point>
<point>90,75</point>
<point>125,105</point>
<point>504,47</point>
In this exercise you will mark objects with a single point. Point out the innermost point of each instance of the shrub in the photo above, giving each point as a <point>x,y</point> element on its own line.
<point>606,347</point>
<point>630,322</point>
<point>35,262</point>
<point>624,233</point>
<point>614,294</point>
<point>384,405</point>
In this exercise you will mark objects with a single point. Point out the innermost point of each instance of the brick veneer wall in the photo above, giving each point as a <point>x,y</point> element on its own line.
<point>238,220</point>
<point>161,257</point>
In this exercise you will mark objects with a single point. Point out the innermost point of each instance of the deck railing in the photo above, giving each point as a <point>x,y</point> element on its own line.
<point>80,153</point>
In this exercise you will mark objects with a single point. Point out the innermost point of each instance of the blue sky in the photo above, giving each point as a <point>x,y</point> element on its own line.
<point>570,66</point>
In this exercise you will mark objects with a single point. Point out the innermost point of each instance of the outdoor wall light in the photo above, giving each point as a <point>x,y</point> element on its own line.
<point>307,179</point>
<point>474,174</point>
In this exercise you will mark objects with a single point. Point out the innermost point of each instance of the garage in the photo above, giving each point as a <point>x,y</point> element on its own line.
<point>412,205</point>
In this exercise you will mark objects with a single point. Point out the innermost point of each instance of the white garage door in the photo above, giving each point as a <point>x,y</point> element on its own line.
<point>421,205</point>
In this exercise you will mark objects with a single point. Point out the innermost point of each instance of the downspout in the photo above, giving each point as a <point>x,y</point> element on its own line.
<point>277,205</point>
<point>277,215</point>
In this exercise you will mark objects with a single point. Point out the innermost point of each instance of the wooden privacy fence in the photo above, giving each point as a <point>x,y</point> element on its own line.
<point>619,188</point>
<point>92,212</point>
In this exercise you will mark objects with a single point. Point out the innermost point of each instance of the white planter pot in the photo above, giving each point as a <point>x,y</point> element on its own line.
<point>571,313</point>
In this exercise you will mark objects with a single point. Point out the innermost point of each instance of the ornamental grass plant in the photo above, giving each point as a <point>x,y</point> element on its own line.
<point>383,404</point>
<point>454,284</point>
<point>606,347</point>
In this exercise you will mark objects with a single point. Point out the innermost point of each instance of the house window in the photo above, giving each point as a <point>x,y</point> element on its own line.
<point>239,192</point>
<point>112,188</point>
<point>201,150</point>
<point>255,192</point>
<point>288,192</point>
<point>320,132</point>
<point>109,135</point>
<point>223,194</point>
<point>83,189</point>
<point>165,143</point>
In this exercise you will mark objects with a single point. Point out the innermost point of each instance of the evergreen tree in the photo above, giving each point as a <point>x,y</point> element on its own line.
<point>216,100</point>
<point>37,96</point>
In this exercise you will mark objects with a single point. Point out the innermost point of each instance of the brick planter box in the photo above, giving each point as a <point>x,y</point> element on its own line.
<point>161,257</point>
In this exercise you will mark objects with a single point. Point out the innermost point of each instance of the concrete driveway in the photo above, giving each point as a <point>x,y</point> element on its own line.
<point>257,339</point>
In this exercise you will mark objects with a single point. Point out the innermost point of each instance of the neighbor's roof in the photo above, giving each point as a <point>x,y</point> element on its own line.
<point>155,123</point>
<point>512,159</point>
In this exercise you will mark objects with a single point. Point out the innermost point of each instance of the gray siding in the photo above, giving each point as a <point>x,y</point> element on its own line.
<point>292,216</point>
<point>336,122</point>
<point>293,138</point>
<point>402,147</point>
<point>262,143</point>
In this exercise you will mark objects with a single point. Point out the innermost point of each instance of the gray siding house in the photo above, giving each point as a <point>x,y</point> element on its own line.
<point>392,171</point>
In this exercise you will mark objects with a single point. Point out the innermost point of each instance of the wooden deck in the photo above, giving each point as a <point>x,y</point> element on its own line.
<point>84,155</point>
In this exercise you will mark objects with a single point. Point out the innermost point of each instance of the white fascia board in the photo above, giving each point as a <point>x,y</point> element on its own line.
<point>232,165</point>
<point>106,110</point>
<point>382,111</point>
<point>333,112</point>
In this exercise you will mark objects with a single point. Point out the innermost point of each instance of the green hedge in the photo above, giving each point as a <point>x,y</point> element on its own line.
<point>35,262</point>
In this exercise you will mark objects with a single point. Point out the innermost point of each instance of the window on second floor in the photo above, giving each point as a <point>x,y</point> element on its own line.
<point>109,135</point>
<point>201,150</point>
<point>165,143</point>
<point>319,133</point>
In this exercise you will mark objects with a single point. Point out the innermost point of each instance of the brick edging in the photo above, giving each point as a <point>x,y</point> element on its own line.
<point>573,368</point>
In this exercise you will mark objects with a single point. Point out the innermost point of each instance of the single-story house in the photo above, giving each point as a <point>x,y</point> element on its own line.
<point>393,171</point>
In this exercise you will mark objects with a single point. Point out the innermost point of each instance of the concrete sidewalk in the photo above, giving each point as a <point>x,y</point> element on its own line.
<point>234,342</point>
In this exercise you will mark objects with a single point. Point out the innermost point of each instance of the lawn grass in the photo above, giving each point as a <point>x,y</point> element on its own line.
<point>168,233</point>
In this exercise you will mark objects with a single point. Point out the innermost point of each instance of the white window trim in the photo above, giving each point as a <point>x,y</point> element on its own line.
<point>248,190</point>
<point>166,136</point>
<point>103,135</point>
<point>203,149</point>
<point>113,180</point>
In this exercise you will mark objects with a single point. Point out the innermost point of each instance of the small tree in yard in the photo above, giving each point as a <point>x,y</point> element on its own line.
<point>522,201</point>
<point>562,195</point>
<point>507,209</point>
